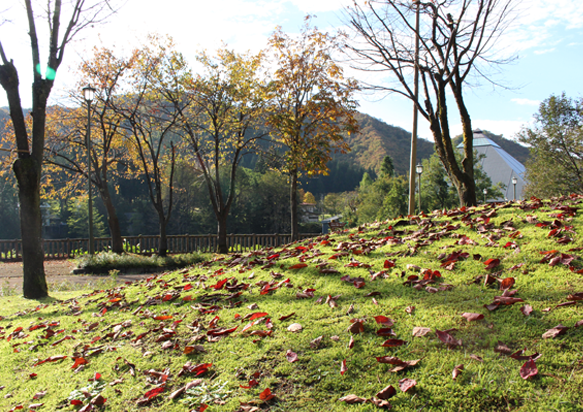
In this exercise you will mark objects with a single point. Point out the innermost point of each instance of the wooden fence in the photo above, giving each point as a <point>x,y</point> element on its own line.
<point>11,250</point>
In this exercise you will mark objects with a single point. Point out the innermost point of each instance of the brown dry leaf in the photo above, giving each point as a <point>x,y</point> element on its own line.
<point>556,331</point>
<point>406,384</point>
<point>335,338</point>
<point>343,368</point>
<point>350,309</point>
<point>387,393</point>
<point>351,343</point>
<point>476,357</point>
<point>294,327</point>
<point>526,310</point>
<point>420,331</point>
<point>472,316</point>
<point>291,356</point>
<point>410,309</point>
<point>356,327</point>
<point>352,399</point>
<point>448,339</point>
<point>316,342</point>
<point>457,371</point>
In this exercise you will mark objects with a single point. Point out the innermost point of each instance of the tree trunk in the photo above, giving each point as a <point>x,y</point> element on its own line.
<point>163,247</point>
<point>112,220</point>
<point>222,246</point>
<point>293,198</point>
<point>27,173</point>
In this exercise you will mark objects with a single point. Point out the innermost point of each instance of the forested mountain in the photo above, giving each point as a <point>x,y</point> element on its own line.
<point>516,150</point>
<point>378,139</point>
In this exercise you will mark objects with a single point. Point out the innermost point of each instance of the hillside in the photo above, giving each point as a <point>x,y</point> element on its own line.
<point>472,309</point>
<point>516,150</point>
<point>378,139</point>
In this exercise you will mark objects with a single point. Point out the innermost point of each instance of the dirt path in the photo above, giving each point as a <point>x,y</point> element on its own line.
<point>57,271</point>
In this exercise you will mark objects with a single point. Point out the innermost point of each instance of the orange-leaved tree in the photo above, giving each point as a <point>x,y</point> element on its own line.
<point>66,133</point>
<point>312,105</point>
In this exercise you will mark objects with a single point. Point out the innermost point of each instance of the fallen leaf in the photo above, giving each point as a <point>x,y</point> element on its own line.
<point>266,395</point>
<point>387,392</point>
<point>472,316</point>
<point>554,332</point>
<point>526,310</point>
<point>351,342</point>
<point>393,343</point>
<point>406,384</point>
<point>343,367</point>
<point>529,369</point>
<point>420,331</point>
<point>350,399</point>
<point>448,339</point>
<point>457,371</point>
<point>294,327</point>
<point>383,320</point>
<point>291,356</point>
<point>316,342</point>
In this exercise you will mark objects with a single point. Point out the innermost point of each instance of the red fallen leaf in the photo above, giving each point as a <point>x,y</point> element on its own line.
<point>518,355</point>
<point>298,266</point>
<point>351,399</point>
<point>252,384</point>
<point>351,342</point>
<point>491,263</point>
<point>78,362</point>
<point>383,320</point>
<point>493,306</point>
<point>571,303</point>
<point>507,300</point>
<point>385,332</point>
<point>99,400</point>
<point>202,407</point>
<point>375,293</point>
<point>526,310</point>
<point>472,316</point>
<point>261,333</point>
<point>154,392</point>
<point>257,315</point>
<point>76,402</point>
<point>162,317</point>
<point>32,375</point>
<point>579,323</point>
<point>221,331</point>
<point>392,343</point>
<point>95,377</point>
<point>219,285</point>
<point>388,264</point>
<point>187,287</point>
<point>343,367</point>
<point>266,395</point>
<point>529,369</point>
<point>392,360</point>
<point>448,339</point>
<point>457,371</point>
<point>287,316</point>
<point>556,331</point>
<point>507,283</point>
<point>50,359</point>
<point>291,356</point>
<point>406,384</point>
<point>386,393</point>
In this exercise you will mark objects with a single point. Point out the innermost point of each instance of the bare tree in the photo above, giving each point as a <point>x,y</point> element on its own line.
<point>30,143</point>
<point>457,38</point>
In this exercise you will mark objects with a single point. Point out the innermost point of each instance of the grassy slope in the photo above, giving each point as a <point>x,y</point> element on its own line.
<point>314,382</point>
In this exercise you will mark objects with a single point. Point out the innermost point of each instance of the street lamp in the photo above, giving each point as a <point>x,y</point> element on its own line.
<point>88,94</point>
<point>485,193</point>
<point>419,171</point>
<point>514,181</point>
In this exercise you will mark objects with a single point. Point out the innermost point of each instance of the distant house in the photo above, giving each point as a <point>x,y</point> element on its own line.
<point>309,212</point>
<point>499,165</point>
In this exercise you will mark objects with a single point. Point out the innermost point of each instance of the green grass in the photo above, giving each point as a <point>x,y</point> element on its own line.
<point>104,262</point>
<point>314,382</point>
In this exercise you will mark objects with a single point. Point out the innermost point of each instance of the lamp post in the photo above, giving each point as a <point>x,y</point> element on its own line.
<point>88,94</point>
<point>413,157</point>
<point>419,171</point>
<point>514,181</point>
<point>485,193</point>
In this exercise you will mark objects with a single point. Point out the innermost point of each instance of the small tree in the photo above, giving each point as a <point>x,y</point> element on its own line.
<point>312,105</point>
<point>556,148</point>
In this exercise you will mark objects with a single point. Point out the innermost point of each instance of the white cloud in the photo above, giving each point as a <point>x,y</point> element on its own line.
<point>526,102</point>
<point>545,51</point>
<point>315,6</point>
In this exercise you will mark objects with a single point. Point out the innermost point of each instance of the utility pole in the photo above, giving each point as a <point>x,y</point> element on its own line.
<point>413,161</point>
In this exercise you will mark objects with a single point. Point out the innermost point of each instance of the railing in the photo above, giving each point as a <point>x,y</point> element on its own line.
<point>11,250</point>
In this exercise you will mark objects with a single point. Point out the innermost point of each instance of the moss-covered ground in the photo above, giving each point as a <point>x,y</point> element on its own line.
<point>174,333</point>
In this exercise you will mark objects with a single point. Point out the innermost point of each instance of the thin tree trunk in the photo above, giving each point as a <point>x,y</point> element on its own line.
<point>163,247</point>
<point>293,198</point>
<point>27,173</point>
<point>112,220</point>
<point>222,246</point>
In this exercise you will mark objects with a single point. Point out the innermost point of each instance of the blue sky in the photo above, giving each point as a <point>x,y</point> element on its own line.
<point>547,36</point>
